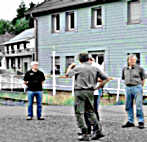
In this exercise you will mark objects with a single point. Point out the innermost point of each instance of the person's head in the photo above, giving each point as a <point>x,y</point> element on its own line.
<point>132,60</point>
<point>34,65</point>
<point>83,57</point>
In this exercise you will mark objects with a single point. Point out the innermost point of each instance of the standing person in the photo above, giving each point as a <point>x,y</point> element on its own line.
<point>34,79</point>
<point>85,82</point>
<point>134,78</point>
<point>98,92</point>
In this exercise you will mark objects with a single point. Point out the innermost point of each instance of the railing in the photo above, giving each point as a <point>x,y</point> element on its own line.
<point>11,82</point>
<point>20,51</point>
<point>117,89</point>
<point>16,82</point>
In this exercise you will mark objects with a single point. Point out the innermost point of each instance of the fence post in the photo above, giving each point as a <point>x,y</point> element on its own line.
<point>118,89</point>
<point>54,76</point>
<point>11,83</point>
<point>0,82</point>
<point>73,83</point>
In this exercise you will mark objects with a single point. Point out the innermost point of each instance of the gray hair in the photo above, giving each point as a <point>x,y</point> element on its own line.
<point>132,56</point>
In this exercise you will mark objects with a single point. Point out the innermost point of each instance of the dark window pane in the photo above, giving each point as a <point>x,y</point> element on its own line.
<point>72,21</point>
<point>99,17</point>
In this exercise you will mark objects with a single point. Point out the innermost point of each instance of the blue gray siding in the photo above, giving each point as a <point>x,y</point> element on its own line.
<point>115,37</point>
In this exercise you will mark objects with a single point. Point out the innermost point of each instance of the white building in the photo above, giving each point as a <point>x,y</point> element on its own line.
<point>19,51</point>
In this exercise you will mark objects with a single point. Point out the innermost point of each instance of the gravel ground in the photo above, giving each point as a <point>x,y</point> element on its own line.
<point>60,125</point>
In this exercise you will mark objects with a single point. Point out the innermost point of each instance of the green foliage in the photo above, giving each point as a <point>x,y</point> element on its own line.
<point>5,26</point>
<point>21,25</point>
<point>20,22</point>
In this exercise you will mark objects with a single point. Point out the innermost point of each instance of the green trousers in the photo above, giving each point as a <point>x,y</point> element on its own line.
<point>84,100</point>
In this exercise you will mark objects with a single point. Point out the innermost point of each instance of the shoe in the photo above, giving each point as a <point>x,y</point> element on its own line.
<point>29,118</point>
<point>140,125</point>
<point>41,118</point>
<point>79,133</point>
<point>84,137</point>
<point>128,124</point>
<point>97,136</point>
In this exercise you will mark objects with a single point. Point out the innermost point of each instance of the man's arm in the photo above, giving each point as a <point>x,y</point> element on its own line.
<point>25,82</point>
<point>143,82</point>
<point>70,68</point>
<point>104,82</point>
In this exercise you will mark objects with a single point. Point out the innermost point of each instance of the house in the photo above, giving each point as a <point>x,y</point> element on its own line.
<point>108,29</point>
<point>3,38</point>
<point>20,51</point>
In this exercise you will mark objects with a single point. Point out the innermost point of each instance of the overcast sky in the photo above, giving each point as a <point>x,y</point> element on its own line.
<point>8,8</point>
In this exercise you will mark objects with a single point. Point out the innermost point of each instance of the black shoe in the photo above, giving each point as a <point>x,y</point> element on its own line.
<point>84,137</point>
<point>79,133</point>
<point>128,124</point>
<point>140,125</point>
<point>29,118</point>
<point>97,136</point>
<point>41,118</point>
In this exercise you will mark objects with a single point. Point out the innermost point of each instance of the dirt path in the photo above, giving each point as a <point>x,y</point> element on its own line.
<point>60,125</point>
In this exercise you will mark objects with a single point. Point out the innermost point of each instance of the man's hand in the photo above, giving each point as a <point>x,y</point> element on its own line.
<point>69,68</point>
<point>102,83</point>
<point>25,82</point>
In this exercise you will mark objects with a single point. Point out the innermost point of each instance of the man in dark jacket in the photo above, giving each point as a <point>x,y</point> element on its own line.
<point>34,79</point>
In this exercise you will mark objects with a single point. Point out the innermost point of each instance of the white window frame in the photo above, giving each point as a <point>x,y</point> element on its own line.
<point>129,14</point>
<point>54,23</point>
<point>68,57</point>
<point>68,21</point>
<point>94,17</point>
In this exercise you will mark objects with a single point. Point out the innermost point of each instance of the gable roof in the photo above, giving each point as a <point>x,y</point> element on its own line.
<point>23,36</point>
<point>51,6</point>
<point>5,37</point>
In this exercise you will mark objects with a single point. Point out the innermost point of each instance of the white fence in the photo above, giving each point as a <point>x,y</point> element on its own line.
<point>11,82</point>
<point>16,82</point>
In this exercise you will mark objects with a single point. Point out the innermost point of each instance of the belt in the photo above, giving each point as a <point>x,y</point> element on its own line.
<point>131,85</point>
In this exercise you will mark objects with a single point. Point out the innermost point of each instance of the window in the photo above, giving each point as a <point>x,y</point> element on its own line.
<point>7,49</point>
<point>96,17</point>
<point>138,57</point>
<point>55,23</point>
<point>57,65</point>
<point>69,60</point>
<point>12,49</point>
<point>7,63</point>
<point>99,58</point>
<point>70,21</point>
<point>134,11</point>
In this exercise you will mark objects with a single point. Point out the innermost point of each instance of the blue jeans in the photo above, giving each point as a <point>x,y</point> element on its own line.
<point>38,95</point>
<point>134,92</point>
<point>97,99</point>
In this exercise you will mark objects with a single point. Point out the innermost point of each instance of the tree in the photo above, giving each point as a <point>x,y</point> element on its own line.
<point>5,26</point>
<point>22,22</point>
<point>28,17</point>
<point>20,12</point>
<point>21,25</point>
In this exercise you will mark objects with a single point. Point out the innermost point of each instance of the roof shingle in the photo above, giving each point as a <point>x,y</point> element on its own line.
<point>50,5</point>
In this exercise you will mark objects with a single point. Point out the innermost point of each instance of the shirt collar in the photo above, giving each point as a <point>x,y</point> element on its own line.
<point>133,67</point>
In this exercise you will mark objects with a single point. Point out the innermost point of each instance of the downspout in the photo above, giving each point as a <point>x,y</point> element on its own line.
<point>36,37</point>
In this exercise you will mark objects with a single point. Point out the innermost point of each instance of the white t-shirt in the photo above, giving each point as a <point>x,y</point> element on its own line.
<point>100,67</point>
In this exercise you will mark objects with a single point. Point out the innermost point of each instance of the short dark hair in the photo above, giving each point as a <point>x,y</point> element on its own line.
<point>83,57</point>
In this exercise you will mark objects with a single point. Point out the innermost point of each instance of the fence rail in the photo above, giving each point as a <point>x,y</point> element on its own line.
<point>16,82</point>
